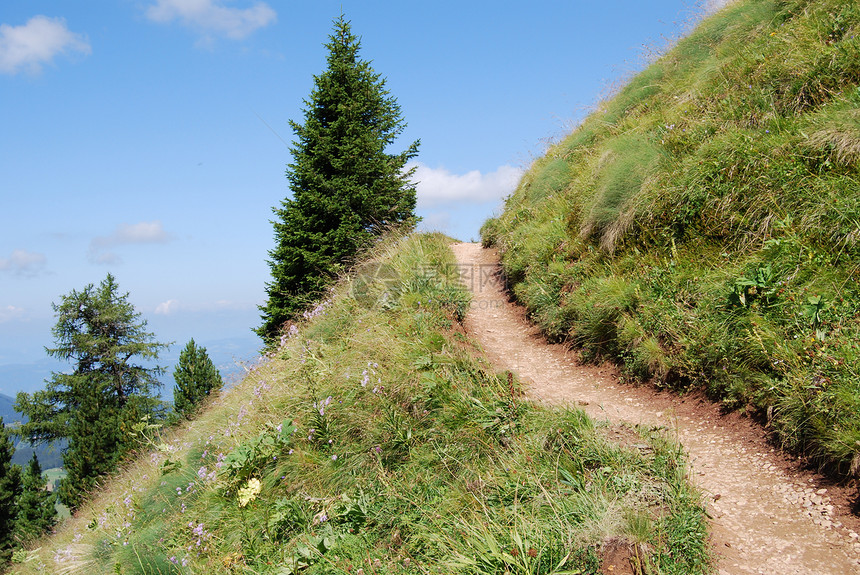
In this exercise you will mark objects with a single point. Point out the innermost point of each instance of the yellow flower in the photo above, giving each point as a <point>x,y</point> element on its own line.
<point>249,492</point>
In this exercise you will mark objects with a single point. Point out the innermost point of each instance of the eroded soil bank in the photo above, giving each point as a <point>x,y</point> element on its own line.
<point>769,515</point>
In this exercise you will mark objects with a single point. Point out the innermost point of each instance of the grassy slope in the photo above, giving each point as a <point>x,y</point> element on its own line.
<point>701,228</point>
<point>373,439</point>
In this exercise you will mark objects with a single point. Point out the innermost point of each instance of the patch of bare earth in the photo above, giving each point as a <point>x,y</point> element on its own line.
<point>617,558</point>
<point>770,515</point>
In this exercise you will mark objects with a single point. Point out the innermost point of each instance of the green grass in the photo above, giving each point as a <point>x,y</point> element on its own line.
<point>711,222</point>
<point>374,439</point>
<point>51,476</point>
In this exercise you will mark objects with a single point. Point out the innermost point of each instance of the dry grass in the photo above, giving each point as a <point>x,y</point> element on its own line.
<point>840,138</point>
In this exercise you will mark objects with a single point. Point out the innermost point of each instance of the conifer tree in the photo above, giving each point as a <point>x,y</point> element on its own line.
<point>346,188</point>
<point>10,490</point>
<point>36,510</point>
<point>196,377</point>
<point>96,405</point>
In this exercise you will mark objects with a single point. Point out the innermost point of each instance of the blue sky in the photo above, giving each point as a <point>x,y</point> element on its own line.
<point>148,138</point>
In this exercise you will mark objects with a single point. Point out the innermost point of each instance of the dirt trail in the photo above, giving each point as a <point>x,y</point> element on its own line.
<point>769,515</point>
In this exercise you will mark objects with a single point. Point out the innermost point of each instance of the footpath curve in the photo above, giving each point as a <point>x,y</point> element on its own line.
<point>770,516</point>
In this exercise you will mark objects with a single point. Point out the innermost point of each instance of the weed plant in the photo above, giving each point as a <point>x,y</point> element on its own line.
<point>707,232</point>
<point>374,441</point>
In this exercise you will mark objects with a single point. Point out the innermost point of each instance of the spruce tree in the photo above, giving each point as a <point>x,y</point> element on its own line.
<point>346,188</point>
<point>196,377</point>
<point>10,490</point>
<point>96,405</point>
<point>36,510</point>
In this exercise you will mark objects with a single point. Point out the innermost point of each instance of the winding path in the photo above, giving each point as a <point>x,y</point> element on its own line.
<point>769,515</point>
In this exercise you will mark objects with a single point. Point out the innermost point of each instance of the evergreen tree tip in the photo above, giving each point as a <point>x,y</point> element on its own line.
<point>346,188</point>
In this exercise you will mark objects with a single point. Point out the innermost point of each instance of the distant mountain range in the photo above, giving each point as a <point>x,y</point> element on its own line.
<point>27,377</point>
<point>229,355</point>
<point>7,410</point>
<point>50,456</point>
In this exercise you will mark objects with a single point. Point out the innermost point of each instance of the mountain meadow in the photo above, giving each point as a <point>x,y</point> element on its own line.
<point>701,229</point>
<point>375,440</point>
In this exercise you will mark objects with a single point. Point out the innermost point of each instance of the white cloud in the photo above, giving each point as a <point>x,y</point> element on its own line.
<point>10,312</point>
<point>104,258</point>
<point>211,16</point>
<point>140,233</point>
<point>167,307</point>
<point>23,263</point>
<point>436,222</point>
<point>36,43</point>
<point>438,185</point>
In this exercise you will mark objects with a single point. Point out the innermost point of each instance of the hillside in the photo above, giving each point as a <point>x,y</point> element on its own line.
<point>700,229</point>
<point>375,440</point>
